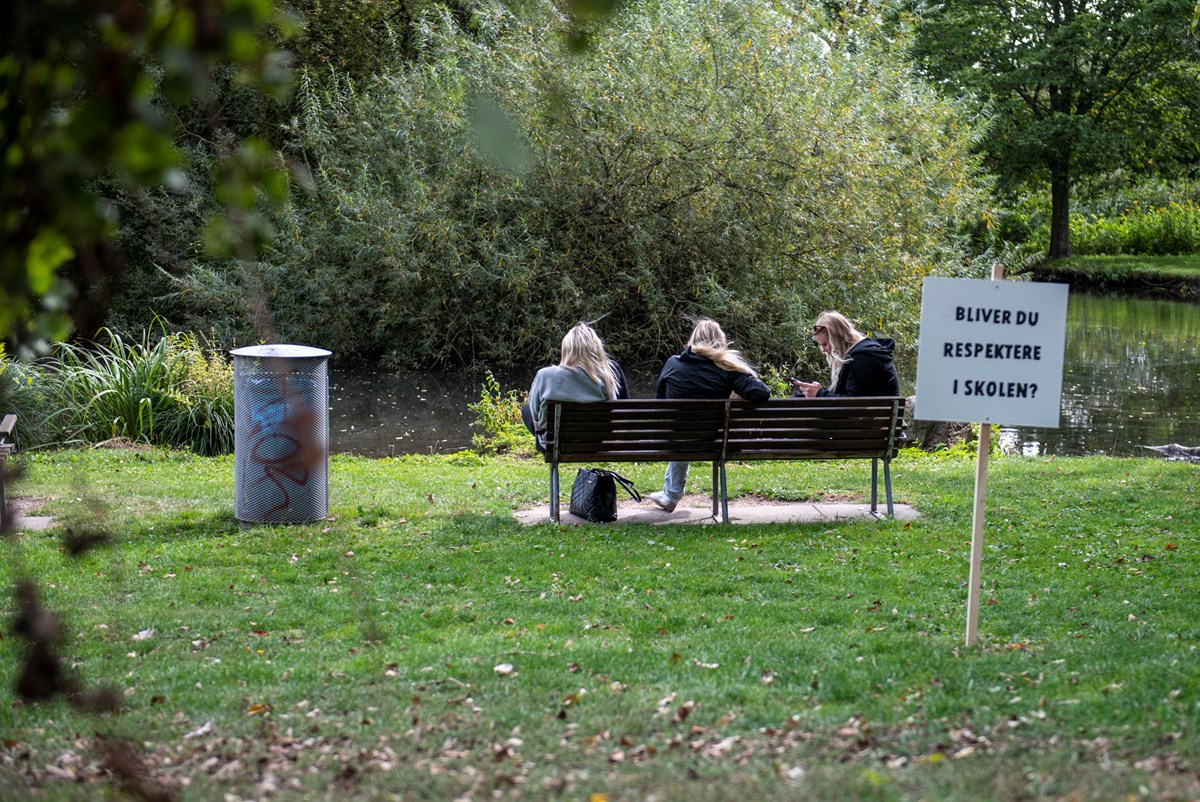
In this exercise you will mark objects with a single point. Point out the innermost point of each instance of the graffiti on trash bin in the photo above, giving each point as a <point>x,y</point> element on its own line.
<point>276,448</point>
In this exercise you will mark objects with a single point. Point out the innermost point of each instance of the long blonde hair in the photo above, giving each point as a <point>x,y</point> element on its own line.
<point>842,337</point>
<point>582,348</point>
<point>708,340</point>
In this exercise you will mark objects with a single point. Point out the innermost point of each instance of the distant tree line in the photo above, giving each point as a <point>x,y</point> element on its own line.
<point>1076,89</point>
<point>470,177</point>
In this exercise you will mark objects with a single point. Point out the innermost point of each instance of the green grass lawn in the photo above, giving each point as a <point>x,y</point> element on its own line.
<point>421,644</point>
<point>1186,267</point>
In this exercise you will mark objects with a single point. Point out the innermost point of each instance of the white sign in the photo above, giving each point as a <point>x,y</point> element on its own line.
<point>991,351</point>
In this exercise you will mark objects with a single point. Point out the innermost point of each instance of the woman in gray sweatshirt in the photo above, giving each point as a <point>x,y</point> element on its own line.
<point>583,373</point>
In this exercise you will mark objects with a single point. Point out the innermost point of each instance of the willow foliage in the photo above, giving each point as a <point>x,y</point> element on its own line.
<point>706,158</point>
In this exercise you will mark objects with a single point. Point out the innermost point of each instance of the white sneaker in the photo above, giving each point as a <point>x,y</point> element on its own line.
<point>663,501</point>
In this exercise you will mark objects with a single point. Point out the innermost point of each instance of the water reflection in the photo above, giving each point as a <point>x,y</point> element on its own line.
<point>377,414</point>
<point>1131,377</point>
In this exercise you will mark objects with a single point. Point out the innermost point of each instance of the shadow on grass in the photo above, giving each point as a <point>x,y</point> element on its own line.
<point>177,526</point>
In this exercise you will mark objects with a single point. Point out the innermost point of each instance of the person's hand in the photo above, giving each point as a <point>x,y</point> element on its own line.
<point>808,388</point>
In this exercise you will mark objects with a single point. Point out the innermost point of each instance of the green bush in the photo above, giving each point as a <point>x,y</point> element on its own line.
<point>498,418</point>
<point>698,160</point>
<point>173,392</point>
<point>1165,230</point>
<point>779,379</point>
<point>1116,214</point>
<point>22,394</point>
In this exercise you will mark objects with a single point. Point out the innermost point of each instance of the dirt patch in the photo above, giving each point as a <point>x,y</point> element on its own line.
<point>122,442</point>
<point>24,506</point>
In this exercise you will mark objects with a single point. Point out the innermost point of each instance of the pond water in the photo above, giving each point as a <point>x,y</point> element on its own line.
<point>1131,379</point>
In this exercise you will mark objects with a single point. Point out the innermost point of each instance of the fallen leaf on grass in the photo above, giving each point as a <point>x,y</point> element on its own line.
<point>504,669</point>
<point>204,729</point>
<point>720,747</point>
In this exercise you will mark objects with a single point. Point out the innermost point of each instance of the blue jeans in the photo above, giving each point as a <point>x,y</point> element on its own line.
<point>675,480</point>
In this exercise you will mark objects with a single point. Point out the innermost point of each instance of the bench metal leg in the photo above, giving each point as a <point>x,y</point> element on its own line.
<point>724,496</point>
<point>874,484</point>
<point>554,493</point>
<point>716,491</point>
<point>887,485</point>
<point>720,500</point>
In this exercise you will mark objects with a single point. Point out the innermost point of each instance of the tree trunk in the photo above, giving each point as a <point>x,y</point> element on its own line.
<point>1060,208</point>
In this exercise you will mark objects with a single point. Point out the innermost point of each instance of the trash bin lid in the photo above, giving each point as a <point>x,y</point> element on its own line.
<point>280,350</point>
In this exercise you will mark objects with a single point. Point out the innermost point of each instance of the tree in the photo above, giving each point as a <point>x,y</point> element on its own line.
<point>697,158</point>
<point>1074,85</point>
<point>90,93</point>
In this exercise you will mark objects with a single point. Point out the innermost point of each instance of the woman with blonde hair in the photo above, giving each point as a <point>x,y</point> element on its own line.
<point>584,373</point>
<point>707,368</point>
<point>858,365</point>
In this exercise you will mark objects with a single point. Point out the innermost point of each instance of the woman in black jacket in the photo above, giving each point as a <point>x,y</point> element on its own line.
<point>707,368</point>
<point>858,365</point>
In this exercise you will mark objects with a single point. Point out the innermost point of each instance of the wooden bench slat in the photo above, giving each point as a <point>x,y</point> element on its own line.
<point>641,456</point>
<point>837,428</point>
<point>876,445</point>
<point>798,456</point>
<point>578,430</point>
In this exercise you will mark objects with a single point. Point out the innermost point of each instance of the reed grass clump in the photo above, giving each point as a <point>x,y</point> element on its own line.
<point>173,392</point>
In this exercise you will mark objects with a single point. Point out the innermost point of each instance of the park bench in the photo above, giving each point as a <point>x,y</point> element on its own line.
<point>721,431</point>
<point>7,447</point>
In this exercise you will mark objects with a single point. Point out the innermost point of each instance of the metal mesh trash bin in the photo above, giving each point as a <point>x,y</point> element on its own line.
<point>281,433</point>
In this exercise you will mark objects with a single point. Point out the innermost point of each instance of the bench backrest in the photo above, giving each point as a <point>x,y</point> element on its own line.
<point>815,428</point>
<point>657,430</point>
<point>636,430</point>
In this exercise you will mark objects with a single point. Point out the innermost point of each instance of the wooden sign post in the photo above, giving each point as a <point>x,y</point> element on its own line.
<point>979,515</point>
<point>990,351</point>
